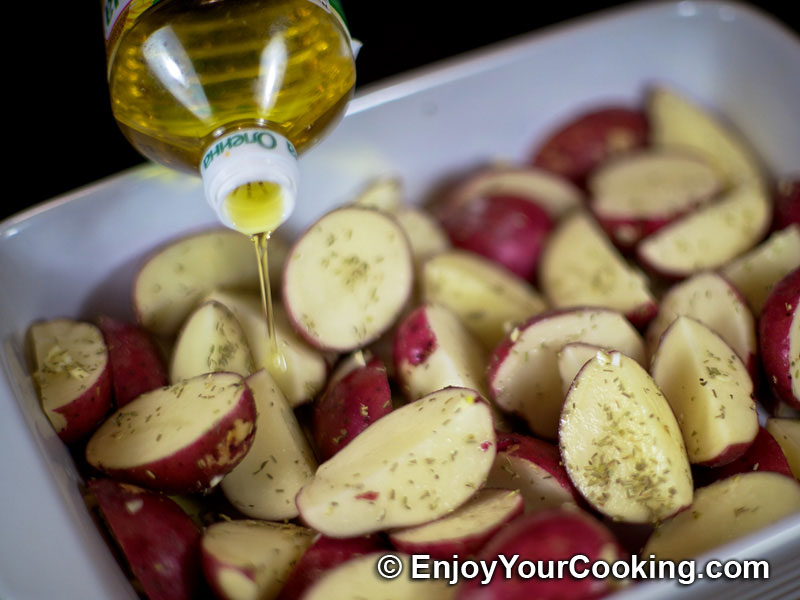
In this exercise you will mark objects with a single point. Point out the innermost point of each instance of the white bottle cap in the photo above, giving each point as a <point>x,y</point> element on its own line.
<point>248,156</point>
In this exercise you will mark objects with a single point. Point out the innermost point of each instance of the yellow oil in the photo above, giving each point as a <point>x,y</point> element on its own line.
<point>186,72</point>
<point>183,73</point>
<point>276,357</point>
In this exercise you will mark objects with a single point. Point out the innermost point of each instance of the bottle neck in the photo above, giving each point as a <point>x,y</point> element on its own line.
<point>250,179</point>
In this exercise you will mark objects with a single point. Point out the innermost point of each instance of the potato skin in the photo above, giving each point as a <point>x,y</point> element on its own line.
<point>787,203</point>
<point>773,331</point>
<point>160,542</point>
<point>507,229</point>
<point>136,365</point>
<point>190,470</point>
<point>552,534</point>
<point>590,138</point>
<point>87,411</point>
<point>349,406</point>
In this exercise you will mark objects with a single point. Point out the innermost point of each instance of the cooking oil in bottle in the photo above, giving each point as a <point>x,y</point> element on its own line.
<point>233,90</point>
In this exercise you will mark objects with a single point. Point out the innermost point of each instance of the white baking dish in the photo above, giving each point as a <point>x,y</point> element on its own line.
<point>76,255</point>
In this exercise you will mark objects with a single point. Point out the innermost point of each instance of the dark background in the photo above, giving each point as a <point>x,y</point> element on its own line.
<point>61,126</point>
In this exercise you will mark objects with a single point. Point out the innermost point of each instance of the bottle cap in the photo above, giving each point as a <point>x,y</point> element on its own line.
<point>248,156</point>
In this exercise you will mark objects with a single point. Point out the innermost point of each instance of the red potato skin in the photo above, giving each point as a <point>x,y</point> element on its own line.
<point>787,203</point>
<point>465,546</point>
<point>87,411</point>
<point>348,407</point>
<point>548,535</point>
<point>773,332</point>
<point>640,228</point>
<point>508,230</point>
<point>764,454</point>
<point>587,140</point>
<point>414,340</point>
<point>543,454</point>
<point>136,364</point>
<point>182,472</point>
<point>324,554</point>
<point>160,542</point>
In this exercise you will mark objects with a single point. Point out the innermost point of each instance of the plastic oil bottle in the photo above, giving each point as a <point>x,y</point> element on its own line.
<point>232,90</point>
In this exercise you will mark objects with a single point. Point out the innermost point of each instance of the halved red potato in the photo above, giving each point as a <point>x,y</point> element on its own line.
<point>555,194</point>
<point>160,542</point>
<point>571,359</point>
<point>787,433</point>
<point>547,539</point>
<point>306,368</point>
<point>464,531</point>
<point>173,280</point>
<point>581,267</point>
<point>710,391</point>
<point>211,340</point>
<point>136,363</point>
<point>322,555</point>
<point>755,274</point>
<point>433,349</point>
<point>523,370</point>
<point>725,511</point>
<point>678,122</point>
<point>764,454</point>
<point>349,405</point>
<point>637,194</point>
<point>590,138</point>
<point>250,560</point>
<point>72,375</point>
<point>711,299</point>
<point>709,237</point>
<point>179,439</point>
<point>621,443</point>
<point>280,461</point>
<point>489,300</point>
<point>359,578</point>
<point>533,467</point>
<point>779,339</point>
<point>787,203</point>
<point>348,278</point>
<point>381,193</point>
<point>425,236</point>
<point>412,466</point>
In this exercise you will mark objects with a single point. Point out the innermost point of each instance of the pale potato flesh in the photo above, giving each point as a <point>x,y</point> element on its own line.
<point>348,278</point>
<point>652,183</point>
<point>425,235</point>
<point>177,276</point>
<point>69,358</point>
<point>252,559</point>
<point>305,367</point>
<point>621,444</point>
<point>725,511</point>
<point>786,432</point>
<point>794,351</point>
<point>279,462</point>
<point>411,466</point>
<point>709,298</point>
<point>488,299</point>
<point>711,236</point>
<point>159,423</point>
<point>677,122</point>
<point>538,487</point>
<point>554,194</point>
<point>755,273</point>
<point>580,267</point>
<point>708,387</point>
<point>571,359</point>
<point>458,360</point>
<point>528,382</point>
<point>382,193</point>
<point>358,578</point>
<point>210,341</point>
<point>485,511</point>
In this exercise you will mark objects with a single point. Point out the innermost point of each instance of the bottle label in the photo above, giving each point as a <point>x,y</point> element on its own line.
<point>250,139</point>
